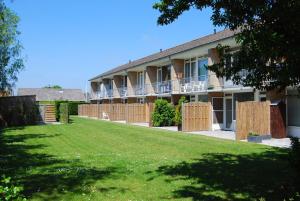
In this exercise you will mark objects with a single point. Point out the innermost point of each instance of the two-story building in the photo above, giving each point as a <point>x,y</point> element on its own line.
<point>181,71</point>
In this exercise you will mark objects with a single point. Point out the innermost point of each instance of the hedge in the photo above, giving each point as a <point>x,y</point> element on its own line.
<point>64,113</point>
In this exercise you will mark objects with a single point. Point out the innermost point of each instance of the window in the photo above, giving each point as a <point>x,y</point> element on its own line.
<point>202,98</point>
<point>193,98</point>
<point>124,81</point>
<point>140,80</point>
<point>187,69</point>
<point>202,69</point>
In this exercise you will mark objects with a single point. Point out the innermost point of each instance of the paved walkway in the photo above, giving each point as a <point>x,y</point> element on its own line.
<point>282,143</point>
<point>228,135</point>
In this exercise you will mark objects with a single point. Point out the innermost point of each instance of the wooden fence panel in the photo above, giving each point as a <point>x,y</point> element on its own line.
<point>136,113</point>
<point>117,112</point>
<point>149,111</point>
<point>254,117</point>
<point>104,111</point>
<point>196,117</point>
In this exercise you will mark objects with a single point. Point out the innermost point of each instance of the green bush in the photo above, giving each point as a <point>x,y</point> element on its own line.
<point>73,107</point>
<point>10,192</point>
<point>163,114</point>
<point>178,111</point>
<point>64,113</point>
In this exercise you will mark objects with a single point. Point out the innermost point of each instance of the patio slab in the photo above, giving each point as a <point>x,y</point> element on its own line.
<point>140,124</point>
<point>282,143</point>
<point>169,128</point>
<point>228,135</point>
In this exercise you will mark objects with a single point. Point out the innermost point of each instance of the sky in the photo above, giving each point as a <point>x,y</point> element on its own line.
<point>67,42</point>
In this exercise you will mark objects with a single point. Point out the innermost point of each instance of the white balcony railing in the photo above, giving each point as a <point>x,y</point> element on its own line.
<point>193,84</point>
<point>164,87</point>
<point>123,92</point>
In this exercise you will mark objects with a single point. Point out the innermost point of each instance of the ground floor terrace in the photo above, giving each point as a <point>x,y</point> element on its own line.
<point>223,103</point>
<point>102,160</point>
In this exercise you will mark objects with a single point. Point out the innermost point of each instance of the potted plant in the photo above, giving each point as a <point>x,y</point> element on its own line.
<point>254,137</point>
<point>178,113</point>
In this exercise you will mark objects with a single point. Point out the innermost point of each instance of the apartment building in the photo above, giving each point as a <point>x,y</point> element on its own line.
<point>180,71</point>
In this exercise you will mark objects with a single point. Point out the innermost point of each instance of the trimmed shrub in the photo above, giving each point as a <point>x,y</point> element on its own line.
<point>73,107</point>
<point>178,111</point>
<point>57,108</point>
<point>163,114</point>
<point>10,192</point>
<point>64,113</point>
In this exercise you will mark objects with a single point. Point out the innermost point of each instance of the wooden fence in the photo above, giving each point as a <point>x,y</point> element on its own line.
<point>117,112</point>
<point>254,117</point>
<point>131,113</point>
<point>196,117</point>
<point>18,111</point>
<point>136,113</point>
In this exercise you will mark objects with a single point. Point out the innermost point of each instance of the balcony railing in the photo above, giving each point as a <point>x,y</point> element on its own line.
<point>181,86</point>
<point>140,90</point>
<point>193,84</point>
<point>230,84</point>
<point>164,87</point>
<point>123,92</point>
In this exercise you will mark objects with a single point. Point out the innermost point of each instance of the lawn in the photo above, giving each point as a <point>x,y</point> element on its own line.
<point>99,160</point>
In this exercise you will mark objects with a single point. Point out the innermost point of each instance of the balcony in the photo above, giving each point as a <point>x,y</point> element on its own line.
<point>140,90</point>
<point>193,84</point>
<point>123,92</point>
<point>162,88</point>
<point>230,84</point>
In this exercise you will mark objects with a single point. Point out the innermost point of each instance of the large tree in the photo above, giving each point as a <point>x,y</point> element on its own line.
<point>11,61</point>
<point>268,32</point>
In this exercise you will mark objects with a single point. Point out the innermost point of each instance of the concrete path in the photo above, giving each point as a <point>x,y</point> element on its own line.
<point>140,124</point>
<point>228,135</point>
<point>282,143</point>
<point>169,128</point>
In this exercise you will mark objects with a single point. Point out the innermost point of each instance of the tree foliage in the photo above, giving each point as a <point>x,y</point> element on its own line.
<point>11,61</point>
<point>268,32</point>
<point>53,87</point>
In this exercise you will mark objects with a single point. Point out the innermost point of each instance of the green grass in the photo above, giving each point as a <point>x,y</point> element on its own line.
<point>98,160</point>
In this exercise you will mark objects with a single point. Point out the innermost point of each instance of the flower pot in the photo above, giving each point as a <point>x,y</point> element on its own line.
<point>258,139</point>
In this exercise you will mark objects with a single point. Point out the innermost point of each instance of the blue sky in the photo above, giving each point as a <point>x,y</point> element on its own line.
<point>66,42</point>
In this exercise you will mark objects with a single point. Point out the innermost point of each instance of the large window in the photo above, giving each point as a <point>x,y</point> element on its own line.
<point>202,69</point>
<point>140,80</point>
<point>195,70</point>
<point>124,81</point>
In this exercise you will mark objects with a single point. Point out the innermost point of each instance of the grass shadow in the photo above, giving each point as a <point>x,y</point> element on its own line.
<point>220,176</point>
<point>45,174</point>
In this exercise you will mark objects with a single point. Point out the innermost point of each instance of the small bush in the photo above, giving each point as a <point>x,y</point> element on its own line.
<point>64,113</point>
<point>178,111</point>
<point>10,192</point>
<point>163,114</point>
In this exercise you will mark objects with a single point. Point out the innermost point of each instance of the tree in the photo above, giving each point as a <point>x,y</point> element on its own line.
<point>268,32</point>
<point>11,62</point>
<point>53,87</point>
